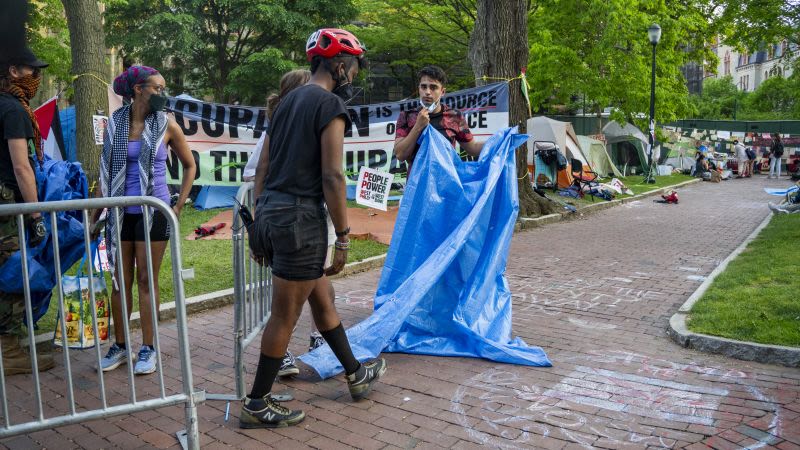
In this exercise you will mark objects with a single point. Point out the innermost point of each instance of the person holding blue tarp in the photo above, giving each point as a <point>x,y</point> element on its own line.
<point>442,290</point>
<point>447,121</point>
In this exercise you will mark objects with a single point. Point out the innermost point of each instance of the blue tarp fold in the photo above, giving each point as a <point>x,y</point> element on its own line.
<point>56,180</point>
<point>443,290</point>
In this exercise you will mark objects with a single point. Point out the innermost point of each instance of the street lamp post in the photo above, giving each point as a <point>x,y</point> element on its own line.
<point>654,33</point>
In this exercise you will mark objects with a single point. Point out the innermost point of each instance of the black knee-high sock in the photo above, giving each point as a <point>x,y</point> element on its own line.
<point>337,339</point>
<point>265,375</point>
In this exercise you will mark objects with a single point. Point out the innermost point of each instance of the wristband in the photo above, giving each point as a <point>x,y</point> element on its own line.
<point>343,233</point>
<point>342,245</point>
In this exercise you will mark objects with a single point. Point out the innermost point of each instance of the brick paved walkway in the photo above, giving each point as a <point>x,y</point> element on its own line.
<point>596,294</point>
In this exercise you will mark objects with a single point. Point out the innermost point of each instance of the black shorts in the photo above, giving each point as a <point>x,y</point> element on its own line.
<point>133,228</point>
<point>291,233</point>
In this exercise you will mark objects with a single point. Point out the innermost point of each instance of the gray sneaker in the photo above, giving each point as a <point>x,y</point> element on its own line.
<point>146,362</point>
<point>360,382</point>
<point>267,413</point>
<point>115,357</point>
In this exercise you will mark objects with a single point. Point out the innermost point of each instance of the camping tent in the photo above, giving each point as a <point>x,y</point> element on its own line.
<point>598,157</point>
<point>627,146</point>
<point>543,129</point>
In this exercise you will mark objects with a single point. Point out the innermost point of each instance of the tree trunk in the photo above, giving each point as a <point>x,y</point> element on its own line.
<point>91,96</point>
<point>498,48</point>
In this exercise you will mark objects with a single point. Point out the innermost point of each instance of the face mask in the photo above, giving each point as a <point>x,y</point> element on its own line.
<point>157,102</point>
<point>29,84</point>
<point>431,108</point>
<point>344,89</point>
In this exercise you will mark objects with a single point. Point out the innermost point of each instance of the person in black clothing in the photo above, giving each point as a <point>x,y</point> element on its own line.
<point>20,147</point>
<point>775,155</point>
<point>299,174</point>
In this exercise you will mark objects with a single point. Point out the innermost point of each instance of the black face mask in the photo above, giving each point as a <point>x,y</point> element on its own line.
<point>344,89</point>
<point>157,102</point>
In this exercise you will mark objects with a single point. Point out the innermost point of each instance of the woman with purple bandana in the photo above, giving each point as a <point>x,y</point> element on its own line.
<point>133,163</point>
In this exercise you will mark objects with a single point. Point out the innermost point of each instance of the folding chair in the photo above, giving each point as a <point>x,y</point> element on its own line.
<point>582,177</point>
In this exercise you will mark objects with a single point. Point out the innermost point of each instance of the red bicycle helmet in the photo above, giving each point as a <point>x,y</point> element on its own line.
<point>329,42</point>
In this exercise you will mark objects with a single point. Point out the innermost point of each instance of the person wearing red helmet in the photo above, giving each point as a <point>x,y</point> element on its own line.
<point>296,177</point>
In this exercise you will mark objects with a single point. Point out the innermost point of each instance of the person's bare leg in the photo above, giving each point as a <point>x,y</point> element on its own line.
<point>157,250</point>
<point>288,298</point>
<point>321,301</point>
<point>127,251</point>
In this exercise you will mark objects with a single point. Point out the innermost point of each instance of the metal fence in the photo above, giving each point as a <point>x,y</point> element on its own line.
<point>252,291</point>
<point>78,411</point>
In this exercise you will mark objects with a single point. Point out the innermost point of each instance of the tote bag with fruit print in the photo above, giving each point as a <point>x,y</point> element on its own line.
<point>78,313</point>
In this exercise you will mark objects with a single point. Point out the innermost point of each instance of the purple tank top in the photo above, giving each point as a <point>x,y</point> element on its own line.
<point>132,186</point>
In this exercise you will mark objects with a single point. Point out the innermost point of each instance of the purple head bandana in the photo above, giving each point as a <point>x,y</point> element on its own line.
<point>124,83</point>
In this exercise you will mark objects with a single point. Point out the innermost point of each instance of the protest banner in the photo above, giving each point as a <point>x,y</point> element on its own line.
<point>373,188</point>
<point>221,137</point>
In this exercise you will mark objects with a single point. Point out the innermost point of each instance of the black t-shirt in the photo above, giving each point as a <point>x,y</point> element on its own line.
<point>295,152</point>
<point>14,124</point>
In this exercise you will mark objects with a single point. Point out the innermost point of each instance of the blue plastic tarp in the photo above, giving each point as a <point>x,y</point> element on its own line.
<point>443,289</point>
<point>56,180</point>
<point>780,192</point>
<point>67,117</point>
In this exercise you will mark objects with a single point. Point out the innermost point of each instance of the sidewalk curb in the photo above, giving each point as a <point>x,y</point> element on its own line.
<point>748,351</point>
<point>526,223</point>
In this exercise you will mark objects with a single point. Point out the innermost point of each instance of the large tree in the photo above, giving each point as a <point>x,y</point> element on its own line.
<point>230,49</point>
<point>88,64</point>
<point>402,36</point>
<point>498,48</point>
<point>596,52</point>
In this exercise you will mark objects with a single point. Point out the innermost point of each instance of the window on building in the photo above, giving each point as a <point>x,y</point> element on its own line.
<point>727,64</point>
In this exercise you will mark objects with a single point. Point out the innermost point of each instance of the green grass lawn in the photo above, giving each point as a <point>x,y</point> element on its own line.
<point>212,260</point>
<point>757,297</point>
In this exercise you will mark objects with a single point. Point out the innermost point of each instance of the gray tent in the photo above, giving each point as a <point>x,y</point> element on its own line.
<point>599,160</point>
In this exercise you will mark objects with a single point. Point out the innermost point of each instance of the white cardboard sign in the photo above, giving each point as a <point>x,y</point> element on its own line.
<point>373,188</point>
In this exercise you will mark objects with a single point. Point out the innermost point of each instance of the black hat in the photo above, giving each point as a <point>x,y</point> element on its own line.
<point>13,46</point>
<point>24,57</point>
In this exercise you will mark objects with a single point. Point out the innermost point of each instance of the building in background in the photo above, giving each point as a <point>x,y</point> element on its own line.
<point>749,70</point>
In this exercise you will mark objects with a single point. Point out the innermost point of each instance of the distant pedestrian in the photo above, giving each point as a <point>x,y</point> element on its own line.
<point>776,153</point>
<point>743,160</point>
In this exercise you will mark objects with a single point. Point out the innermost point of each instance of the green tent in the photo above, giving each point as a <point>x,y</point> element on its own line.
<point>597,155</point>
<point>627,147</point>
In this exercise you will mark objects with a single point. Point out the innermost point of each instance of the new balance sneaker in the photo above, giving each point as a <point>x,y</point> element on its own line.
<point>146,362</point>
<point>267,413</point>
<point>315,341</point>
<point>288,366</point>
<point>360,382</point>
<point>115,357</point>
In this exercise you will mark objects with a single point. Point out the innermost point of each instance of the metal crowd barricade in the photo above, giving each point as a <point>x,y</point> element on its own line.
<point>187,396</point>
<point>252,291</point>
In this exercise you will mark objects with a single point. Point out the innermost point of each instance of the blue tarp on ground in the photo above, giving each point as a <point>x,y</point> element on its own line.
<point>56,180</point>
<point>443,290</point>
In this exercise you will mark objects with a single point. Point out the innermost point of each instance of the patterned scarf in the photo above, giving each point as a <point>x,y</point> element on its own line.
<point>24,88</point>
<point>113,165</point>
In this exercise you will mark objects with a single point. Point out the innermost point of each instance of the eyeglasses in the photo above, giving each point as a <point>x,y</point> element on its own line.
<point>157,88</point>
